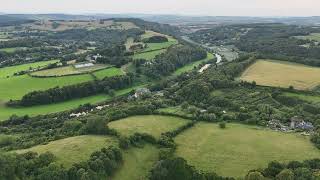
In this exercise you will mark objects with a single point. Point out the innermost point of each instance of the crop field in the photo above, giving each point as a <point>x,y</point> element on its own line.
<point>74,149</point>
<point>68,70</point>
<point>109,72</point>
<point>190,66</point>
<point>151,124</point>
<point>148,55</point>
<point>312,36</point>
<point>137,163</point>
<point>282,74</point>
<point>239,148</point>
<point>9,71</point>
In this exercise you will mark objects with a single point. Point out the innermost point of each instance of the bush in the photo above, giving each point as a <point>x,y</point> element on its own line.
<point>222,125</point>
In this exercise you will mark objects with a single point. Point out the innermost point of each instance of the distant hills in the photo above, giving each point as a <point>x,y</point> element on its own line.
<point>167,19</point>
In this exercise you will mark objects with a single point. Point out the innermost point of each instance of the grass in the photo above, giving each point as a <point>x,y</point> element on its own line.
<point>149,55</point>
<point>108,72</point>
<point>6,112</point>
<point>239,148</point>
<point>312,36</point>
<point>137,163</point>
<point>157,46</point>
<point>68,70</point>
<point>282,74</point>
<point>16,87</point>
<point>74,149</point>
<point>150,124</point>
<point>191,66</point>
<point>9,71</point>
<point>11,50</point>
<point>309,98</point>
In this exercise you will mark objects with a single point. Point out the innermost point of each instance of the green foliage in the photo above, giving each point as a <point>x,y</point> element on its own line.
<point>222,125</point>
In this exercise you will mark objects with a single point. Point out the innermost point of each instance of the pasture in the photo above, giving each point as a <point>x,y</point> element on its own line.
<point>309,98</point>
<point>148,55</point>
<point>74,149</point>
<point>12,50</point>
<point>137,163</point>
<point>158,46</point>
<point>109,72</point>
<point>239,148</point>
<point>9,71</point>
<point>68,70</point>
<point>150,124</point>
<point>282,74</point>
<point>15,87</point>
<point>192,65</point>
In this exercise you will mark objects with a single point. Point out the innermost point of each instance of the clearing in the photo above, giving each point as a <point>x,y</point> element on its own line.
<point>239,148</point>
<point>137,163</point>
<point>74,149</point>
<point>282,74</point>
<point>150,124</point>
<point>312,36</point>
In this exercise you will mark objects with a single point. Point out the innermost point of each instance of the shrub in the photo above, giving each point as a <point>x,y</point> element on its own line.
<point>222,125</point>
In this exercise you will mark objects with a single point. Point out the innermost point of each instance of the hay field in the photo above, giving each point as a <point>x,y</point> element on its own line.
<point>282,74</point>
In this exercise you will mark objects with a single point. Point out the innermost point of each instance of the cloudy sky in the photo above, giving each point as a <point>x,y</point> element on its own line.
<point>182,7</point>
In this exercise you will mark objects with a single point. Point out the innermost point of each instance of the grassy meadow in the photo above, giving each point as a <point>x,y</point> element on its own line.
<point>109,72</point>
<point>11,50</point>
<point>150,124</point>
<point>9,71</point>
<point>137,163</point>
<point>74,149</point>
<point>148,55</point>
<point>239,148</point>
<point>157,46</point>
<point>308,98</point>
<point>190,66</point>
<point>282,74</point>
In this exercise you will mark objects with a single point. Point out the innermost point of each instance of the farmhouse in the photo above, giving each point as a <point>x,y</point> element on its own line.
<point>299,123</point>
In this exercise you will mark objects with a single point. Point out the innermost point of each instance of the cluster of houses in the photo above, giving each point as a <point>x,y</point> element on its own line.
<point>296,123</point>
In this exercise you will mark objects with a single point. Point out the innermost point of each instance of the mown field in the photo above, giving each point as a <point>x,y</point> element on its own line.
<point>239,148</point>
<point>9,71</point>
<point>137,163</point>
<point>190,66</point>
<point>109,72</point>
<point>74,149</point>
<point>282,74</point>
<point>150,124</point>
<point>68,70</point>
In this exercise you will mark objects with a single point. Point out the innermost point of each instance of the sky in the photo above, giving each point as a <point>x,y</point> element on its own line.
<point>178,7</point>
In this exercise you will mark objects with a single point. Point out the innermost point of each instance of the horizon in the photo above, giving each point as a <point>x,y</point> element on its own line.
<point>244,8</point>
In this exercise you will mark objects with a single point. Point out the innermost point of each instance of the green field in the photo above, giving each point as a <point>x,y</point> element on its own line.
<point>157,46</point>
<point>239,148</point>
<point>309,98</point>
<point>9,71</point>
<point>68,70</point>
<point>6,112</point>
<point>12,50</point>
<point>74,149</point>
<point>190,66</point>
<point>151,124</point>
<point>312,36</point>
<point>137,163</point>
<point>282,74</point>
<point>148,55</point>
<point>16,87</point>
<point>108,72</point>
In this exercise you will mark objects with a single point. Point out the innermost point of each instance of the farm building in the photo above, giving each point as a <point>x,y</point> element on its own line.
<point>299,123</point>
